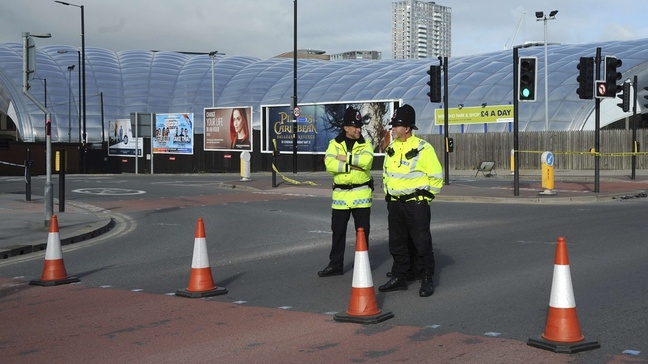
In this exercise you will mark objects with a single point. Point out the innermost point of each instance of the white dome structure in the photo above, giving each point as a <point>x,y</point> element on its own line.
<point>168,82</point>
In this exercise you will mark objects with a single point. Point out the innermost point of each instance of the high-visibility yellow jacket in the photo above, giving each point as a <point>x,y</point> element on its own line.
<point>351,179</point>
<point>411,167</point>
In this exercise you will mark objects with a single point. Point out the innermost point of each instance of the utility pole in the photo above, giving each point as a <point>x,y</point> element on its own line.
<point>29,68</point>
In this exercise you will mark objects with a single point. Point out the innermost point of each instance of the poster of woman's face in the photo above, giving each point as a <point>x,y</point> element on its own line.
<point>228,128</point>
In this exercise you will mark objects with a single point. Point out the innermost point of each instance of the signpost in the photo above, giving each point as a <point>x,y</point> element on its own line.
<point>600,88</point>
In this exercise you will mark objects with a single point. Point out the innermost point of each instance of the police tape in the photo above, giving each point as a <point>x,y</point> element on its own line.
<point>275,151</point>
<point>290,180</point>
<point>615,154</point>
<point>12,164</point>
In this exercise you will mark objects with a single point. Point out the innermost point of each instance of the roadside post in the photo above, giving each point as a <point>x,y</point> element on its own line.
<point>547,159</point>
<point>245,166</point>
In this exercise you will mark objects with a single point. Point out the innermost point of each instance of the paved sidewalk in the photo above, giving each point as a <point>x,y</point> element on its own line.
<point>466,185</point>
<point>24,230</point>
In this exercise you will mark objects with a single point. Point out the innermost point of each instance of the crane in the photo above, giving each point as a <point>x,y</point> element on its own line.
<point>517,29</point>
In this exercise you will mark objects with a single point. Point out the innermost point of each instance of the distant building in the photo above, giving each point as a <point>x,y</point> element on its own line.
<point>356,55</point>
<point>318,54</point>
<point>305,54</point>
<point>421,29</point>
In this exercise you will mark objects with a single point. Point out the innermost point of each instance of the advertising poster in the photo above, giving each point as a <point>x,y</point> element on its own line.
<point>173,134</point>
<point>475,115</point>
<point>228,129</point>
<point>317,124</point>
<point>120,139</point>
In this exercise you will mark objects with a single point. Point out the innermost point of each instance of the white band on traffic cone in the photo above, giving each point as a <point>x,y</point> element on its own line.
<point>562,291</point>
<point>200,257</point>
<point>362,271</point>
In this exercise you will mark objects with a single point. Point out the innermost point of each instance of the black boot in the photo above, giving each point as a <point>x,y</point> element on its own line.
<point>394,284</point>
<point>410,275</point>
<point>330,271</point>
<point>427,286</point>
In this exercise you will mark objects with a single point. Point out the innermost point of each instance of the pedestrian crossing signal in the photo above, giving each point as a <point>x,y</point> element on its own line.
<point>449,145</point>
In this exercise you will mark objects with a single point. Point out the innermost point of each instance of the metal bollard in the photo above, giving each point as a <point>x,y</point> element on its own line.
<point>245,166</point>
<point>28,184</point>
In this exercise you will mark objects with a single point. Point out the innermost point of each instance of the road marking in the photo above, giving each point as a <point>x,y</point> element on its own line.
<point>109,191</point>
<point>123,226</point>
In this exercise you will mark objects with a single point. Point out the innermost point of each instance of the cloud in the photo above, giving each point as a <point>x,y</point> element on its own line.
<point>265,28</point>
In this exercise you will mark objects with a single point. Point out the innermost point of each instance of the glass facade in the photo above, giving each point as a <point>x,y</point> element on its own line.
<point>120,83</point>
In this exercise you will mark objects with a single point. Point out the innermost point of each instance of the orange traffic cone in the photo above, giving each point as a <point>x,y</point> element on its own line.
<point>54,270</point>
<point>201,283</point>
<point>562,333</point>
<point>363,308</point>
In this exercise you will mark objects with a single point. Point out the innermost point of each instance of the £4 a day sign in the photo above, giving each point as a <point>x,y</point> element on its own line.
<point>475,115</point>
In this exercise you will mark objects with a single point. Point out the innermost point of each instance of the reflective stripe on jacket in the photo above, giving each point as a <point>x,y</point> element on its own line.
<point>361,156</point>
<point>413,165</point>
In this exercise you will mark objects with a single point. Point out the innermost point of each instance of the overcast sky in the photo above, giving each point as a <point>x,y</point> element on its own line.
<point>264,28</point>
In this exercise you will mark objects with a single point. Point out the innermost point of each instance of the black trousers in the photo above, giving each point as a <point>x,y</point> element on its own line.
<point>409,228</point>
<point>339,222</point>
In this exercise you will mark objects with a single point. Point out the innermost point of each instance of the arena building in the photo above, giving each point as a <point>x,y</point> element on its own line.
<point>142,81</point>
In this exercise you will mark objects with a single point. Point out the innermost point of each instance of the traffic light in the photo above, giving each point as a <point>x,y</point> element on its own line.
<point>611,75</point>
<point>527,80</point>
<point>585,78</point>
<point>449,145</point>
<point>435,83</point>
<point>625,97</point>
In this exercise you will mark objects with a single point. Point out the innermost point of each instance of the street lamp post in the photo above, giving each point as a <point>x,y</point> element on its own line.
<point>27,68</point>
<point>44,92</point>
<point>63,51</point>
<point>541,16</point>
<point>83,76</point>
<point>212,55</point>
<point>70,69</point>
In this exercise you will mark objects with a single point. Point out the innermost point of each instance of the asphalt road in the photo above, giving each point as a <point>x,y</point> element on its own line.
<point>494,261</point>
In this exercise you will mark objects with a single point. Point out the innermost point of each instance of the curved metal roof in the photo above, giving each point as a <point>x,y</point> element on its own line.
<point>162,82</point>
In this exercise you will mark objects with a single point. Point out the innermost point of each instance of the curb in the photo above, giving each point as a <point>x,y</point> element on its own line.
<point>103,224</point>
<point>542,199</point>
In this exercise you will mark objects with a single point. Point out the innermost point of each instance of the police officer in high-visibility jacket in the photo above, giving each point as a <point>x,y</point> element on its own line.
<point>412,176</point>
<point>349,158</point>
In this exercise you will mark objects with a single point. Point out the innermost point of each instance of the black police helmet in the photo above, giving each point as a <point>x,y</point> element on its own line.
<point>352,117</point>
<point>404,116</point>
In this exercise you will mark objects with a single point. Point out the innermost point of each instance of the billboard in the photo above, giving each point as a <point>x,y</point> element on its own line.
<point>120,139</point>
<point>317,124</point>
<point>475,115</point>
<point>173,134</point>
<point>228,129</point>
